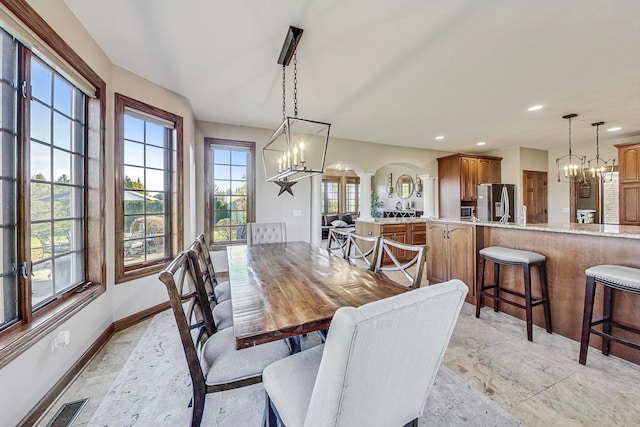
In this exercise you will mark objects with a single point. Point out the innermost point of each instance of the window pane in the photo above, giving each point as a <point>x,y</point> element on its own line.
<point>155,157</point>
<point>61,166</point>
<point>221,156</point>
<point>61,131</point>
<point>40,122</point>
<point>133,128</point>
<point>41,82</point>
<point>222,172</point>
<point>222,187</point>
<point>238,172</point>
<point>40,201</point>
<point>155,134</point>
<point>62,96</point>
<point>155,180</point>
<point>239,158</point>
<point>41,283</point>
<point>133,178</point>
<point>133,153</point>
<point>40,162</point>
<point>155,204</point>
<point>62,201</point>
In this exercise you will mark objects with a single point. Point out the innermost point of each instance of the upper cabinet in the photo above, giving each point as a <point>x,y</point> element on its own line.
<point>629,173</point>
<point>459,176</point>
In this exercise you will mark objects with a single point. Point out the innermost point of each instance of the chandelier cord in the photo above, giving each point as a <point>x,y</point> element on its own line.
<point>284,99</point>
<point>597,144</point>
<point>295,83</point>
<point>569,139</point>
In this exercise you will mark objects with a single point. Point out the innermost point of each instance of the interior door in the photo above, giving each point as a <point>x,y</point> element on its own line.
<point>535,196</point>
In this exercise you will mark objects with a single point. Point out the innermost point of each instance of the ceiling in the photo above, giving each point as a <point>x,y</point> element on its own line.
<point>396,72</point>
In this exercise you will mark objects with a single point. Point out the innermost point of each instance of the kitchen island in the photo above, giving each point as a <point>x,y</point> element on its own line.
<point>569,249</point>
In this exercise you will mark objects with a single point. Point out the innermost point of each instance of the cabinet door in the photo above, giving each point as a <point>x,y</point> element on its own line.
<point>629,164</point>
<point>484,171</point>
<point>469,178</point>
<point>630,204</point>
<point>461,255</point>
<point>418,234</point>
<point>437,256</point>
<point>495,167</point>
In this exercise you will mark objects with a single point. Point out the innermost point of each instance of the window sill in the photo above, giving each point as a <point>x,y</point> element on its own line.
<point>223,246</point>
<point>18,339</point>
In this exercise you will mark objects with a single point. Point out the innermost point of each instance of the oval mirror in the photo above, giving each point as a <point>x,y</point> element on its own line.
<point>404,186</point>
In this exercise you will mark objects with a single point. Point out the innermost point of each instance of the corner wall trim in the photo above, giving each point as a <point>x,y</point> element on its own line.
<point>49,398</point>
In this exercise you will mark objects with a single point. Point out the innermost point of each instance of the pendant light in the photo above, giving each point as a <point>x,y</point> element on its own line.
<point>601,169</point>
<point>298,147</point>
<point>570,167</point>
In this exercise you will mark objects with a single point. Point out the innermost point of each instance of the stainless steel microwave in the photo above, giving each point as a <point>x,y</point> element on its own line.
<point>467,212</point>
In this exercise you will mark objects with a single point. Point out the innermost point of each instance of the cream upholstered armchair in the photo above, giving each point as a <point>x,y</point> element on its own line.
<point>260,233</point>
<point>376,368</point>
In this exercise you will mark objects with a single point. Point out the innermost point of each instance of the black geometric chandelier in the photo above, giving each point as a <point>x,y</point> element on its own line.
<point>298,147</point>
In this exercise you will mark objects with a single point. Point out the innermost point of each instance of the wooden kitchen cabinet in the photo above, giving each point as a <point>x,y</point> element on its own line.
<point>489,171</point>
<point>629,176</point>
<point>406,232</point>
<point>458,179</point>
<point>452,254</point>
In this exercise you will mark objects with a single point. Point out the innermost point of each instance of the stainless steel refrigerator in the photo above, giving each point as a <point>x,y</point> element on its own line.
<point>496,202</point>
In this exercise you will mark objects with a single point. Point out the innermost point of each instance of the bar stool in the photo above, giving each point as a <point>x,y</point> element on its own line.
<point>507,256</point>
<point>617,277</point>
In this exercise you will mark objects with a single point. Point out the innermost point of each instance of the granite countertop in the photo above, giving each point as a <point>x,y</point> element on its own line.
<point>398,220</point>
<point>610,230</point>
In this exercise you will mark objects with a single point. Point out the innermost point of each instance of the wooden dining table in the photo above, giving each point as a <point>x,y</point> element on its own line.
<point>283,290</point>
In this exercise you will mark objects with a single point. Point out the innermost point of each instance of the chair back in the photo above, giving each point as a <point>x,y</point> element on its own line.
<point>190,306</point>
<point>205,265</point>
<point>412,270</point>
<point>337,242</point>
<point>260,233</point>
<point>362,251</point>
<point>380,360</point>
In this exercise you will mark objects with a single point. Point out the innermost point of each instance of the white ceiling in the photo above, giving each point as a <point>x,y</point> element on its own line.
<point>395,72</point>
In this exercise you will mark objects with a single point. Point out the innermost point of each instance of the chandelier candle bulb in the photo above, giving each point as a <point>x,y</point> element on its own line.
<point>295,156</point>
<point>301,151</point>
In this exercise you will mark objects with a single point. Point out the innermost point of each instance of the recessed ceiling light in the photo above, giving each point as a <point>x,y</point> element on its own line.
<point>480,143</point>
<point>614,129</point>
<point>535,108</point>
<point>439,137</point>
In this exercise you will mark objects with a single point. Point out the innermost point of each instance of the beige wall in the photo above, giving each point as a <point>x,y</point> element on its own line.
<point>36,370</point>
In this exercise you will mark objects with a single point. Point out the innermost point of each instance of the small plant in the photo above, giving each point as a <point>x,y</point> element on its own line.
<point>376,205</point>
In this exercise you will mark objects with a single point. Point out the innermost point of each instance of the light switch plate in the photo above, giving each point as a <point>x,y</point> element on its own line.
<point>297,212</point>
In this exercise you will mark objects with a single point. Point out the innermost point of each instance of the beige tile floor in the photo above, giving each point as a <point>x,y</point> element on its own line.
<point>540,382</point>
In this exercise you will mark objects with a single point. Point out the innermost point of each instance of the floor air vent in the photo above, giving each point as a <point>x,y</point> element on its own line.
<point>67,414</point>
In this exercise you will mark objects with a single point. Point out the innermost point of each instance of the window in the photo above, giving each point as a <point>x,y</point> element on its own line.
<point>149,142</point>
<point>331,195</point>
<point>57,160</point>
<point>229,173</point>
<point>52,111</point>
<point>340,194</point>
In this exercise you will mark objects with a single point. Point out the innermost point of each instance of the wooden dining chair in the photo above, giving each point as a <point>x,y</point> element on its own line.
<point>412,269</point>
<point>337,242</point>
<point>376,368</point>
<point>221,290</point>
<point>213,361</point>
<point>260,233</point>
<point>362,251</point>
<point>222,310</point>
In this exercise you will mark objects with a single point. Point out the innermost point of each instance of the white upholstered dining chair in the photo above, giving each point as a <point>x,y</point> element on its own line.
<point>376,368</point>
<point>271,232</point>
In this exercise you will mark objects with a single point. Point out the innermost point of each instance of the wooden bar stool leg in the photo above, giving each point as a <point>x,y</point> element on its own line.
<point>606,314</point>
<point>542,272</point>
<point>587,318</point>
<point>496,290</point>
<point>480,285</point>
<point>527,297</point>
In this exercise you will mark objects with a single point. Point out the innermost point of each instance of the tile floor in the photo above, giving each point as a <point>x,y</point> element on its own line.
<point>540,383</point>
